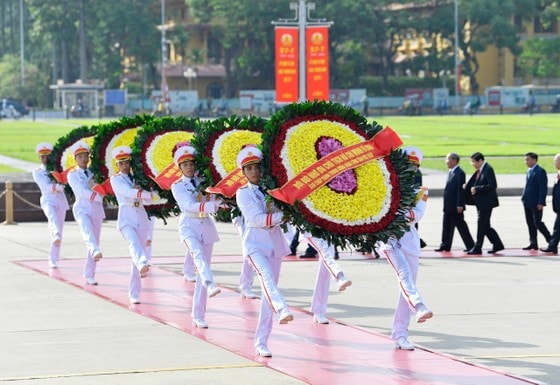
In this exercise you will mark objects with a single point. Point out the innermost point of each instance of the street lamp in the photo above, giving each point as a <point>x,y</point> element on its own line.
<point>190,74</point>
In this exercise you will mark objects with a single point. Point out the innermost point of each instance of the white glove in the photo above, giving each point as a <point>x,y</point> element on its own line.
<point>155,196</point>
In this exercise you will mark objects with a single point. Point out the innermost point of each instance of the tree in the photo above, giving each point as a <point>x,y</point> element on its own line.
<point>540,58</point>
<point>33,92</point>
<point>488,22</point>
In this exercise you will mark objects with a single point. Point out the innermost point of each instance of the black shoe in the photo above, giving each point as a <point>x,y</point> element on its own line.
<point>549,250</point>
<point>442,249</point>
<point>531,247</point>
<point>474,251</point>
<point>308,255</point>
<point>336,256</point>
<point>496,250</point>
<point>422,243</point>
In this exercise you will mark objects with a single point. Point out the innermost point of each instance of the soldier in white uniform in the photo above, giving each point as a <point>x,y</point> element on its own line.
<point>264,245</point>
<point>87,209</point>
<point>328,268</point>
<point>403,255</point>
<point>132,219</point>
<point>196,228</point>
<point>53,202</point>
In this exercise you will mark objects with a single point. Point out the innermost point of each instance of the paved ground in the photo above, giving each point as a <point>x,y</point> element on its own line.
<point>501,312</point>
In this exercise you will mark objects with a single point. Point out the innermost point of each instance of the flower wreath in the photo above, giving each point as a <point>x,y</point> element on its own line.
<point>109,136</point>
<point>359,206</point>
<point>152,153</point>
<point>61,158</point>
<point>217,146</point>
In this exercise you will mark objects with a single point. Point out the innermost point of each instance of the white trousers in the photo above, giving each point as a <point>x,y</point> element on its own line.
<point>137,242</point>
<point>247,275</point>
<point>55,217</point>
<point>328,268</point>
<point>90,228</point>
<point>267,269</point>
<point>406,268</point>
<point>202,256</point>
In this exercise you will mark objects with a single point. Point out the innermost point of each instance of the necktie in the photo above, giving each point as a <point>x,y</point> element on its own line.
<point>130,177</point>
<point>193,182</point>
<point>477,174</point>
<point>262,190</point>
<point>87,173</point>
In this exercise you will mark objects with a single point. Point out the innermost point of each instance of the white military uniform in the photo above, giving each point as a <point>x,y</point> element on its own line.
<point>54,204</point>
<point>89,213</point>
<point>198,232</point>
<point>264,245</point>
<point>403,255</point>
<point>134,225</point>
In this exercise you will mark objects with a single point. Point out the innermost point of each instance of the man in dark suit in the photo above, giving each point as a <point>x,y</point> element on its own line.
<point>454,206</point>
<point>534,200</point>
<point>481,188</point>
<point>555,238</point>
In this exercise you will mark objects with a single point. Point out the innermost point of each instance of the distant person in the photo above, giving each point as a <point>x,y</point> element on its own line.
<point>482,191</point>
<point>365,105</point>
<point>555,238</point>
<point>534,200</point>
<point>454,206</point>
<point>53,202</point>
<point>87,209</point>
<point>403,254</point>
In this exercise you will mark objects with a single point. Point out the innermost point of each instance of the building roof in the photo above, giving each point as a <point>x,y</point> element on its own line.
<point>202,70</point>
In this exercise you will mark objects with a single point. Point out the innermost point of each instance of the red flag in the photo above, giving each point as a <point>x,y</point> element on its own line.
<point>62,177</point>
<point>104,188</point>
<point>168,176</point>
<point>229,185</point>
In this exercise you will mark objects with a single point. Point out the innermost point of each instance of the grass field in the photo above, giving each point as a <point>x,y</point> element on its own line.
<point>503,139</point>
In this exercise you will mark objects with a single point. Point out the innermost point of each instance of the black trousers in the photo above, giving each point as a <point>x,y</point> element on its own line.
<point>485,230</point>
<point>452,220</point>
<point>533,217</point>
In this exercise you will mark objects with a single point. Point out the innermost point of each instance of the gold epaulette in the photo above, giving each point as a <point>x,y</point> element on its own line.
<point>421,194</point>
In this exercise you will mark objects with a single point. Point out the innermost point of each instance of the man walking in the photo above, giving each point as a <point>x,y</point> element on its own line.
<point>481,188</point>
<point>454,206</point>
<point>555,238</point>
<point>534,200</point>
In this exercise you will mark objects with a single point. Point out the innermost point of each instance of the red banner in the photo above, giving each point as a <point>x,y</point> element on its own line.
<point>168,176</point>
<point>325,169</point>
<point>228,186</point>
<point>287,64</point>
<point>317,77</point>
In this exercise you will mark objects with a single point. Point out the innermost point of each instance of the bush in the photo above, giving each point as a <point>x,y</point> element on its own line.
<point>398,85</point>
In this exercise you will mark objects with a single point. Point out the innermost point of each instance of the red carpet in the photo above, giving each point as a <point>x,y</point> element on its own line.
<point>316,354</point>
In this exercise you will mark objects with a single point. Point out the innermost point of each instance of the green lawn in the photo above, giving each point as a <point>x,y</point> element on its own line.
<point>503,139</point>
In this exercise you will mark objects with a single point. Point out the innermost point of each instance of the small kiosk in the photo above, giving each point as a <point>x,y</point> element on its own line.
<point>78,99</point>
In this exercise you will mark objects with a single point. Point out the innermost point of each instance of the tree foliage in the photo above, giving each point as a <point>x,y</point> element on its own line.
<point>540,58</point>
<point>123,38</point>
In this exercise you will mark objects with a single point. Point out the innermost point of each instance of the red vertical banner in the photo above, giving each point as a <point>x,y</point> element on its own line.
<point>317,66</point>
<point>287,64</point>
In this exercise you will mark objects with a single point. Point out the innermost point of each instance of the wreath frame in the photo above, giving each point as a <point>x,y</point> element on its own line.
<point>105,133</point>
<point>402,174</point>
<point>61,145</point>
<point>146,135</point>
<point>204,143</point>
